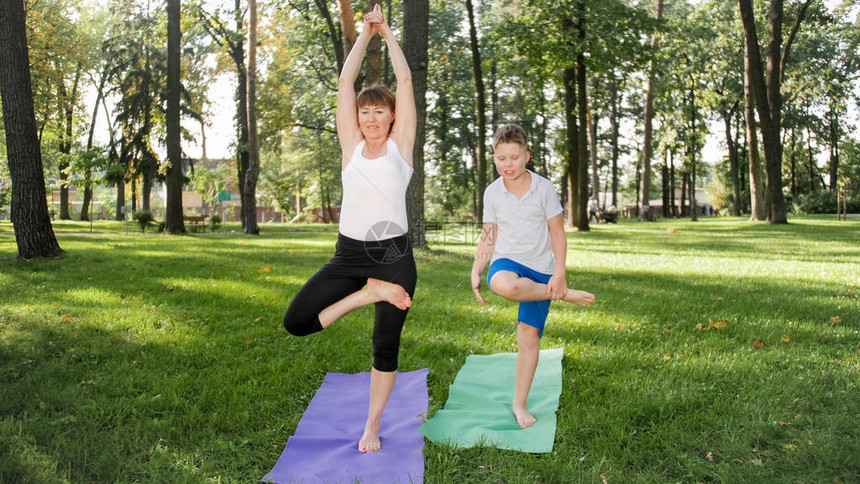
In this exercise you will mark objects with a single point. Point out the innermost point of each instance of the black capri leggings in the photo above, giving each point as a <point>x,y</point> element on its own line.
<point>354,262</point>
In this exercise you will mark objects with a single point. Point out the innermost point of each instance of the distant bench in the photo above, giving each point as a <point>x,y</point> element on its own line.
<point>195,223</point>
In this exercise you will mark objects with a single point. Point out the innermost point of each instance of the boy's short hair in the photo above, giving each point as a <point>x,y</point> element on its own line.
<point>510,133</point>
<point>375,95</point>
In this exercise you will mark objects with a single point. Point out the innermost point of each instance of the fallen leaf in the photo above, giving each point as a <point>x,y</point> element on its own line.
<point>603,479</point>
<point>68,318</point>
<point>835,319</point>
<point>757,462</point>
<point>717,298</point>
<point>617,328</point>
<point>265,268</point>
<point>257,320</point>
<point>673,230</point>
<point>758,344</point>
<point>699,326</point>
<point>786,338</point>
<point>720,324</point>
<point>709,456</point>
<point>784,423</point>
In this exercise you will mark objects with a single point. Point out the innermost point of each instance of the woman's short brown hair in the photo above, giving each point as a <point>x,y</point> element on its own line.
<point>375,95</point>
<point>510,133</point>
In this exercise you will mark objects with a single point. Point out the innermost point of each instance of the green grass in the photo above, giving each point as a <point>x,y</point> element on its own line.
<point>162,359</point>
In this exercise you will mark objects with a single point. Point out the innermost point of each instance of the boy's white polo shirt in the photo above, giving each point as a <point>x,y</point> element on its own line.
<point>523,234</point>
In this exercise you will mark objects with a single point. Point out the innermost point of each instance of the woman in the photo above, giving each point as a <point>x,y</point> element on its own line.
<point>373,262</point>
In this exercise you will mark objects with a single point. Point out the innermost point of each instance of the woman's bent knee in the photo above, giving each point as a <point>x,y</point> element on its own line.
<point>301,327</point>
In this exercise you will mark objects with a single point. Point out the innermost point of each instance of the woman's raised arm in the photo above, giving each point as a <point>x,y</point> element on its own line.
<point>405,120</point>
<point>348,130</point>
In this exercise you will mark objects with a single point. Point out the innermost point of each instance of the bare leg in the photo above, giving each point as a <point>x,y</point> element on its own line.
<point>381,384</point>
<point>515,288</point>
<point>528,340</point>
<point>375,291</point>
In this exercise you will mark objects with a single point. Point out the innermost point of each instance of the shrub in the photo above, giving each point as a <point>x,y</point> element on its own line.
<point>144,219</point>
<point>215,222</point>
<point>824,201</point>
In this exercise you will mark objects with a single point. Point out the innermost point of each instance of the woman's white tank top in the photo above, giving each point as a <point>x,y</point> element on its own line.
<point>374,195</point>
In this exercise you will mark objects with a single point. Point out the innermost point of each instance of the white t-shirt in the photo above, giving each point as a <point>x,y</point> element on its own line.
<point>523,235</point>
<point>374,195</point>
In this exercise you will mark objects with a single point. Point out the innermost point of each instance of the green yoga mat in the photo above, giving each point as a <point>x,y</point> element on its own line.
<point>478,411</point>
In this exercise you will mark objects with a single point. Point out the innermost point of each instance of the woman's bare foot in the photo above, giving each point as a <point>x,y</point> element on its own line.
<point>524,418</point>
<point>370,441</point>
<point>581,298</point>
<point>387,291</point>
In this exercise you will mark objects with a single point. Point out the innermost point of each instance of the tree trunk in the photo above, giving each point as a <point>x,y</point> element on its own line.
<point>572,144</point>
<point>88,187</point>
<point>173,221</point>
<point>347,30</point>
<point>834,148</point>
<point>733,164</point>
<point>793,163</point>
<point>664,176</point>
<point>34,234</point>
<point>683,208</point>
<point>238,56</point>
<point>694,150</point>
<point>757,206</point>
<point>416,14</point>
<point>249,200</point>
<point>582,144</point>
<point>647,148</point>
<point>592,145</point>
<point>613,121</point>
<point>481,110</point>
<point>768,101</point>
<point>373,58</point>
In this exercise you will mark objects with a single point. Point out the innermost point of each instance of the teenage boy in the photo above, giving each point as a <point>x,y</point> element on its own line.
<point>524,241</point>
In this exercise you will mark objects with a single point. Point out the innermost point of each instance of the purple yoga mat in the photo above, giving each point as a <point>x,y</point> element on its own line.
<point>324,447</point>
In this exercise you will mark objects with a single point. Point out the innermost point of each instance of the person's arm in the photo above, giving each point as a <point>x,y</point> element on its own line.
<point>557,285</point>
<point>405,119</point>
<point>483,254</point>
<point>348,130</point>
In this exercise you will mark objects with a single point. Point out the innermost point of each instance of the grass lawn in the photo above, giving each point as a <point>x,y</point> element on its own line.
<point>717,351</point>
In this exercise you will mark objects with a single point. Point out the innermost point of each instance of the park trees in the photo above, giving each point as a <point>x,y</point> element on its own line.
<point>33,232</point>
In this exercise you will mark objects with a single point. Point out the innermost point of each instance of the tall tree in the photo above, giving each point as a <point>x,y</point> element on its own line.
<point>480,111</point>
<point>757,205</point>
<point>416,14</point>
<point>582,111</point>
<point>768,99</point>
<point>34,234</point>
<point>173,217</point>
<point>249,197</point>
<point>648,142</point>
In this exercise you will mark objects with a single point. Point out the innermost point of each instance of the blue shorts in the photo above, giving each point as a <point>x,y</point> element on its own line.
<point>532,313</point>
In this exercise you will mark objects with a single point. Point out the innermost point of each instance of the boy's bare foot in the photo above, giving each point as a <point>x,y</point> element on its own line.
<point>524,418</point>
<point>370,441</point>
<point>581,298</point>
<point>387,291</point>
